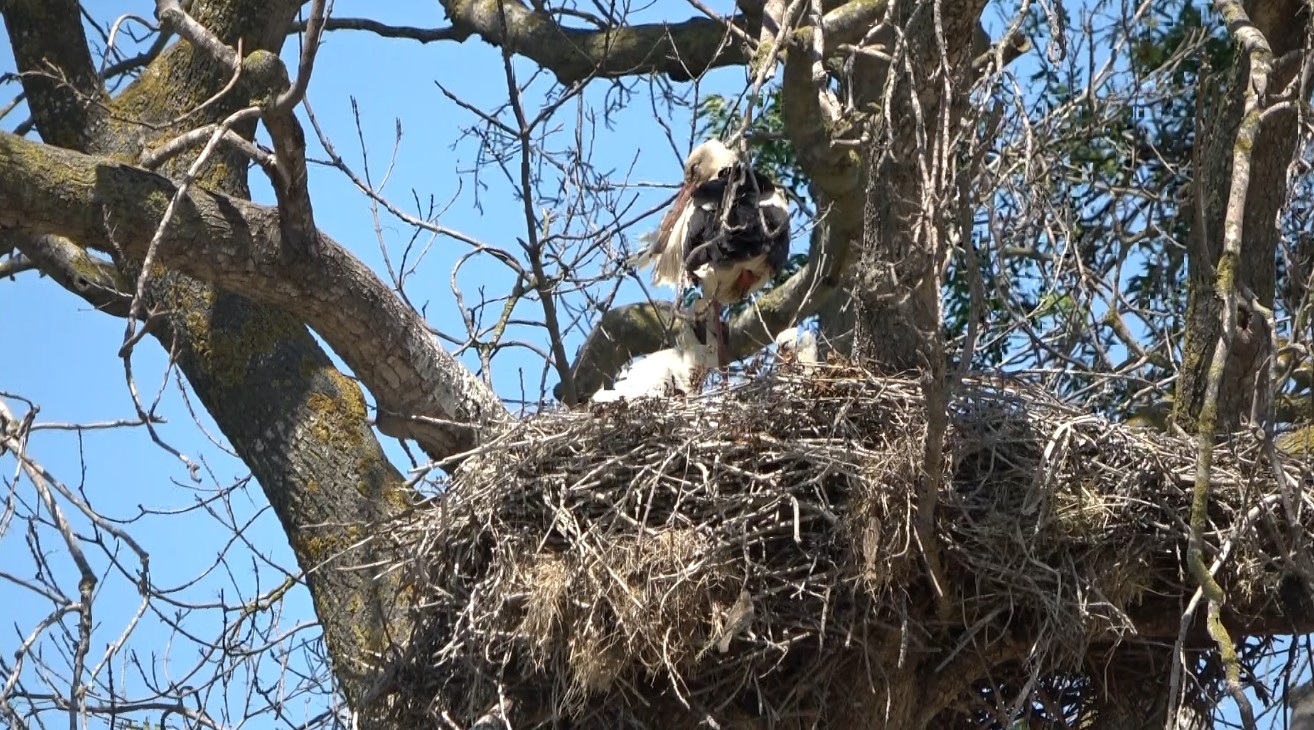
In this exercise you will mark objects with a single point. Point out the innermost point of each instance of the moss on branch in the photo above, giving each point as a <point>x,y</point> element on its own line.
<point>681,51</point>
<point>236,244</point>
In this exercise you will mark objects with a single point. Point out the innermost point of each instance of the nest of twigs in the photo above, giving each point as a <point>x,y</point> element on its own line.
<point>751,558</point>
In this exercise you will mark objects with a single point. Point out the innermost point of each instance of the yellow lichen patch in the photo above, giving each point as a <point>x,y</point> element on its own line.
<point>336,415</point>
<point>323,416</point>
<point>323,544</point>
<point>227,352</point>
<point>352,397</point>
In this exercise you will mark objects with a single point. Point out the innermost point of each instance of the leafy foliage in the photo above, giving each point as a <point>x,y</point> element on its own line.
<point>1079,256</point>
<point>770,149</point>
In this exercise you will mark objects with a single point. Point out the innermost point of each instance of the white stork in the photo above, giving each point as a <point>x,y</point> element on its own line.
<point>728,232</point>
<point>678,370</point>
<point>799,345</point>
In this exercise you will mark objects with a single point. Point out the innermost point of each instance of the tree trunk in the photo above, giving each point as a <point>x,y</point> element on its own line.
<point>294,419</point>
<point>911,203</point>
<point>1284,23</point>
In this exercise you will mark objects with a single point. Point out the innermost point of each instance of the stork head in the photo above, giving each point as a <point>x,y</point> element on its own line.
<point>703,165</point>
<point>798,344</point>
<point>707,160</point>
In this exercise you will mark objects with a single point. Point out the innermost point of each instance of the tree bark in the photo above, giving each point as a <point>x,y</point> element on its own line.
<point>911,203</point>
<point>298,423</point>
<point>234,299</point>
<point>1284,23</point>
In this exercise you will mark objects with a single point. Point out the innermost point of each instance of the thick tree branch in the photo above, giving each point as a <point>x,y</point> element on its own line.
<point>14,265</point>
<point>383,30</point>
<point>96,280</point>
<point>423,393</point>
<point>681,51</point>
<point>623,333</point>
<point>290,414</point>
<point>822,137</point>
<point>63,89</point>
<point>172,15</point>
<point>637,329</point>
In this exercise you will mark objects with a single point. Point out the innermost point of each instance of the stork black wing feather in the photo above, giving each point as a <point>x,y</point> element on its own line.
<point>757,221</point>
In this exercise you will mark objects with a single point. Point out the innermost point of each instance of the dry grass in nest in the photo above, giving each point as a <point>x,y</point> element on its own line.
<point>747,557</point>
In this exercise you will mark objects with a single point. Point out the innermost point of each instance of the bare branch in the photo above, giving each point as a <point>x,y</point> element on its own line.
<point>383,30</point>
<point>423,393</point>
<point>152,159</point>
<point>681,51</point>
<point>314,28</point>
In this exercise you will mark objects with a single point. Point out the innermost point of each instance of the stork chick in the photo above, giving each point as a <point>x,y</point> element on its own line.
<point>679,370</point>
<point>798,345</point>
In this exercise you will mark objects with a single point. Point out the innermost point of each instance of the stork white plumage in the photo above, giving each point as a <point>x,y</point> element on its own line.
<point>679,370</point>
<point>797,344</point>
<point>727,232</point>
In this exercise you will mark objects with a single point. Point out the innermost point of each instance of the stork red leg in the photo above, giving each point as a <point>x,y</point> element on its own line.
<point>722,350</point>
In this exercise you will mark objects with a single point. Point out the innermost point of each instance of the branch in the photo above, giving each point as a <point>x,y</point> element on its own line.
<point>173,17</point>
<point>153,159</point>
<point>309,49</point>
<point>1225,287</point>
<point>624,332</point>
<point>15,264</point>
<point>96,280</point>
<point>423,393</point>
<point>383,30</point>
<point>822,140</point>
<point>682,51</point>
<point>299,423</point>
<point>63,89</point>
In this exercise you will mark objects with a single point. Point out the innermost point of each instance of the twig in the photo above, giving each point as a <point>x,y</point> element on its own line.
<point>153,159</point>
<point>1225,288</point>
<point>314,29</point>
<point>534,247</point>
<point>172,14</point>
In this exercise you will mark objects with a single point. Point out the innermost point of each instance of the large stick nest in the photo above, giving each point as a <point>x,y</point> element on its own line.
<point>749,559</point>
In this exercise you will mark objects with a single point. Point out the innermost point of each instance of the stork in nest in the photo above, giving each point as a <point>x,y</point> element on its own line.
<point>679,370</point>
<point>727,232</point>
